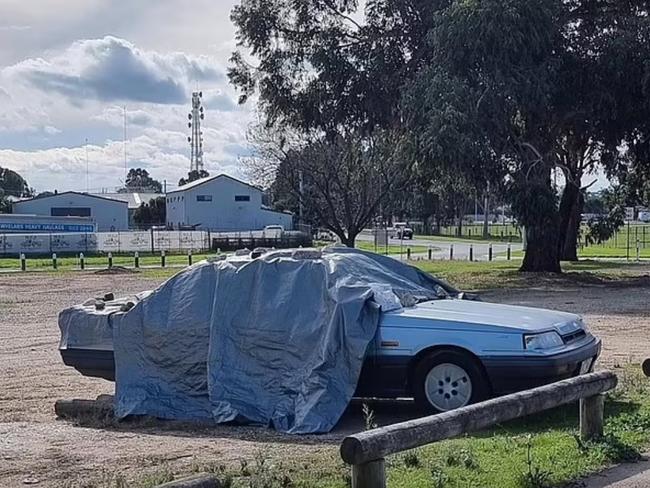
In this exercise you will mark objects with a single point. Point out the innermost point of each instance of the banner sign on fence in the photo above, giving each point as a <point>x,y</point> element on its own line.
<point>141,241</point>
<point>44,227</point>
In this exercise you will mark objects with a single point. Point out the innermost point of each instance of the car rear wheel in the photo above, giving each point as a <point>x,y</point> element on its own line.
<point>445,380</point>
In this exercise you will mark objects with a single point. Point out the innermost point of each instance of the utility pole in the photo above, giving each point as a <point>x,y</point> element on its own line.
<point>486,212</point>
<point>300,208</point>
<point>87,180</point>
<point>126,171</point>
<point>165,187</point>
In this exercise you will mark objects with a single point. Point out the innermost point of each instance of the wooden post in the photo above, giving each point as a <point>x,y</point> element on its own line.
<point>162,258</point>
<point>592,417</point>
<point>509,251</point>
<point>471,252</point>
<point>408,253</point>
<point>23,262</point>
<point>110,259</point>
<point>369,445</point>
<point>430,253</point>
<point>137,259</point>
<point>369,475</point>
<point>451,252</point>
<point>82,262</point>
<point>490,252</point>
<point>54,263</point>
<point>189,257</point>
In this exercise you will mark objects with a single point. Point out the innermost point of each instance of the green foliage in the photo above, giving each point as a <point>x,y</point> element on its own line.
<point>603,228</point>
<point>411,459</point>
<point>139,180</point>
<point>341,180</point>
<point>193,176</point>
<point>438,477</point>
<point>263,474</point>
<point>12,185</point>
<point>533,477</point>
<point>152,213</point>
<point>463,457</point>
<point>496,90</point>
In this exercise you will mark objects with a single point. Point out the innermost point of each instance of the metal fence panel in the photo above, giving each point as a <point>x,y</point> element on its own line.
<point>116,242</point>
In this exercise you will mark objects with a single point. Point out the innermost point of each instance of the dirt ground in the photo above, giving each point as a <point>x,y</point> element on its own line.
<point>36,448</point>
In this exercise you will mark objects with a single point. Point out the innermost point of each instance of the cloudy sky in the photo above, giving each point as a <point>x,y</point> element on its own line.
<point>69,67</point>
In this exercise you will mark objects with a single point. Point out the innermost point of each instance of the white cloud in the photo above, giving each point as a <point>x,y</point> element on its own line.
<point>72,81</point>
<point>162,153</point>
<point>113,69</point>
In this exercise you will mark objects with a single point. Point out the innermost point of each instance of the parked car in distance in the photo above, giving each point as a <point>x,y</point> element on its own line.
<point>644,216</point>
<point>401,230</point>
<point>325,235</point>
<point>274,231</point>
<point>445,353</point>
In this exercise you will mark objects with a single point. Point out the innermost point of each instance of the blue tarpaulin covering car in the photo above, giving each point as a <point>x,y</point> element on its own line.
<point>287,338</point>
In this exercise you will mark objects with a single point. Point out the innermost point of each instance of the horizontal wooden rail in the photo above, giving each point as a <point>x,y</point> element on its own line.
<point>373,445</point>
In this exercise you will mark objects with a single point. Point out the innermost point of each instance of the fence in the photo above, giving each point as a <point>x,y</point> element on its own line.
<point>251,241</point>
<point>366,451</point>
<point>504,232</point>
<point>626,237</point>
<point>117,242</point>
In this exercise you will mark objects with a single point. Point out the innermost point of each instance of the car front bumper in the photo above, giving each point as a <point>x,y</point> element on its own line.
<point>508,374</point>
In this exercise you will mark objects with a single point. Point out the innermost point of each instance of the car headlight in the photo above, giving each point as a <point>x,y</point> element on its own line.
<point>583,326</point>
<point>546,340</point>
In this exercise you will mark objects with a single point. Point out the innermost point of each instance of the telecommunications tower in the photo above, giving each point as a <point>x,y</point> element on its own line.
<point>196,137</point>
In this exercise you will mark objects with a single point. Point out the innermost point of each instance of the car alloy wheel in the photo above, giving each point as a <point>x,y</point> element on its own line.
<point>458,371</point>
<point>447,387</point>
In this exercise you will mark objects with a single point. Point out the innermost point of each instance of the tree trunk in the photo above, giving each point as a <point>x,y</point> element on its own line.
<point>541,223</point>
<point>571,206</point>
<point>542,251</point>
<point>348,240</point>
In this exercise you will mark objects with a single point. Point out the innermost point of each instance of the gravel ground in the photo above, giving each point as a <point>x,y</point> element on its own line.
<point>37,448</point>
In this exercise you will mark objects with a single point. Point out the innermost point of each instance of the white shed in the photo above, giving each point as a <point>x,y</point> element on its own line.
<point>110,215</point>
<point>222,203</point>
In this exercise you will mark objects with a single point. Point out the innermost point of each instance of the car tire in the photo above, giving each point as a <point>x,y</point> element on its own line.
<point>447,379</point>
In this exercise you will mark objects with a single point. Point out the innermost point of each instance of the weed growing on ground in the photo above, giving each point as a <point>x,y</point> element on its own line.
<point>438,477</point>
<point>411,459</point>
<point>368,417</point>
<point>534,477</point>
<point>265,475</point>
<point>462,457</point>
<point>164,475</point>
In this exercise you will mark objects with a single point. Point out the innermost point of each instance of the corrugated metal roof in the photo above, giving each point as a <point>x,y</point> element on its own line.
<point>201,181</point>
<point>133,199</point>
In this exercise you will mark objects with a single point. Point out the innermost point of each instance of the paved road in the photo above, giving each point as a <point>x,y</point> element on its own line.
<point>624,476</point>
<point>461,248</point>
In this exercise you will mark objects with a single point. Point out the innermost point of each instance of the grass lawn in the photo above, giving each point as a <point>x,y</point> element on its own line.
<point>541,451</point>
<point>464,238</point>
<point>391,249</point>
<point>72,262</point>
<point>483,275</point>
<point>612,252</point>
<point>594,252</point>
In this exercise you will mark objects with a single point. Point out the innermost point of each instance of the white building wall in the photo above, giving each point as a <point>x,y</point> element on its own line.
<point>222,204</point>
<point>109,215</point>
<point>175,213</point>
